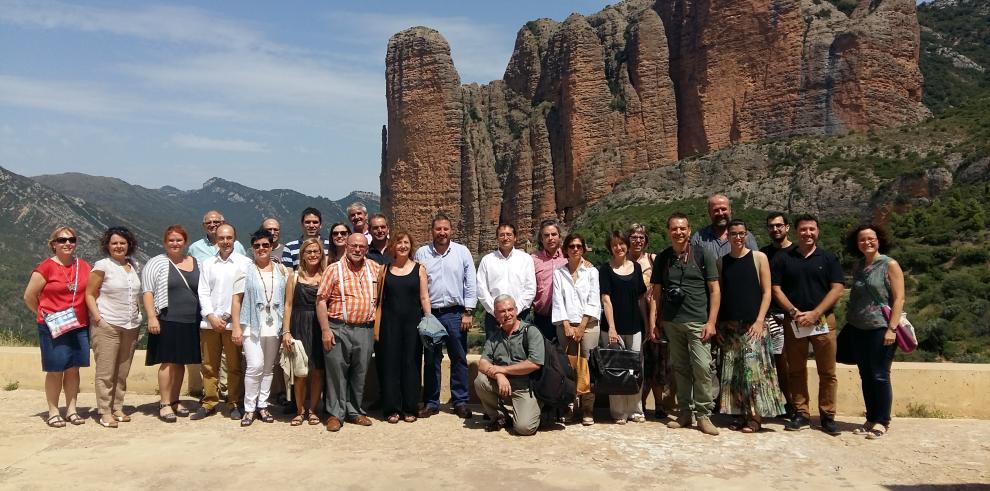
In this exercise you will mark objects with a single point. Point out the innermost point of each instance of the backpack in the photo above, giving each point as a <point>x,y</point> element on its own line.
<point>555,383</point>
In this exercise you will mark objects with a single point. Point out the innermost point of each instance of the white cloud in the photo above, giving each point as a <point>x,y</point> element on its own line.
<point>223,145</point>
<point>480,50</point>
<point>153,22</point>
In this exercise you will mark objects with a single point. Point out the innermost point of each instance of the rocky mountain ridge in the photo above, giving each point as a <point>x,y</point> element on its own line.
<point>588,102</point>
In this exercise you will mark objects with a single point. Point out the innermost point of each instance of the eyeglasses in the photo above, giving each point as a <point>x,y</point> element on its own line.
<point>339,233</point>
<point>737,234</point>
<point>261,245</point>
<point>212,222</point>
<point>65,240</point>
<point>575,246</point>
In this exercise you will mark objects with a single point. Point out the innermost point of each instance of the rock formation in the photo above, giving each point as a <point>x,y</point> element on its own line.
<point>587,102</point>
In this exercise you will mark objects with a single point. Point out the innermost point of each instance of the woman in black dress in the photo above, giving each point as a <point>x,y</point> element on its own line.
<point>169,282</point>
<point>300,318</point>
<point>405,300</point>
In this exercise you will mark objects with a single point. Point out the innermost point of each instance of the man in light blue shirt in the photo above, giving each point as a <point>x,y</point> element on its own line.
<point>206,247</point>
<point>453,297</point>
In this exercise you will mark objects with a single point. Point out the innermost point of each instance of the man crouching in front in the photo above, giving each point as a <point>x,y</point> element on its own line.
<point>509,356</point>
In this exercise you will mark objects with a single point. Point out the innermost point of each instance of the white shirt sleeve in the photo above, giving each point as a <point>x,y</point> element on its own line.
<point>484,294</point>
<point>593,304</point>
<point>559,305</point>
<point>527,290</point>
<point>205,302</point>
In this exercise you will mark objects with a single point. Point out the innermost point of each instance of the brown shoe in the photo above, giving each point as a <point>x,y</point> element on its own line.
<point>707,427</point>
<point>682,421</point>
<point>428,411</point>
<point>360,420</point>
<point>333,424</point>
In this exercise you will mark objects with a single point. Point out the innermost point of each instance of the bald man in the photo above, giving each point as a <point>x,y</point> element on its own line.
<point>206,247</point>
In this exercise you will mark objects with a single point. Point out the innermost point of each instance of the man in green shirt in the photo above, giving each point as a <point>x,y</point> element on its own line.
<point>686,297</point>
<point>513,352</point>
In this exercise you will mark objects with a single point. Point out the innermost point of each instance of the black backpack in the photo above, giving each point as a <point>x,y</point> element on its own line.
<point>554,384</point>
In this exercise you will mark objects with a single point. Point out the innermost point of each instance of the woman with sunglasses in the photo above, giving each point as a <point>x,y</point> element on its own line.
<point>338,241</point>
<point>112,296</point>
<point>257,310</point>
<point>300,322</point>
<point>576,309</point>
<point>56,294</point>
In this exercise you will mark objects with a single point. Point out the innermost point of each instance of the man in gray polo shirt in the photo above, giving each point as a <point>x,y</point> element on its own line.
<point>510,355</point>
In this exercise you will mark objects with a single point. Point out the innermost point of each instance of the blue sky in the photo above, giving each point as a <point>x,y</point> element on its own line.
<point>269,94</point>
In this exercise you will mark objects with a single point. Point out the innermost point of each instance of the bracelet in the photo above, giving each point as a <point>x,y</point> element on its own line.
<point>286,333</point>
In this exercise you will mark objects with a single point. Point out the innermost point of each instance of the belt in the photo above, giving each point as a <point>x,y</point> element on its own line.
<point>448,310</point>
<point>341,321</point>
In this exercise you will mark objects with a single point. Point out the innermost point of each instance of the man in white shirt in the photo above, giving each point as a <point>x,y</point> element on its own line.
<point>505,271</point>
<point>216,284</point>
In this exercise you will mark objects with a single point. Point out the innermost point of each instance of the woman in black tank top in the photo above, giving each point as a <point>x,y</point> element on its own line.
<point>748,380</point>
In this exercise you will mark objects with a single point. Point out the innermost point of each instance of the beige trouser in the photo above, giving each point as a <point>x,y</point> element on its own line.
<point>113,350</point>
<point>525,407</point>
<point>212,343</point>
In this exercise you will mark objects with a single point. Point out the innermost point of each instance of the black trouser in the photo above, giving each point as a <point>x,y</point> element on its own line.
<point>542,322</point>
<point>399,353</point>
<point>874,359</point>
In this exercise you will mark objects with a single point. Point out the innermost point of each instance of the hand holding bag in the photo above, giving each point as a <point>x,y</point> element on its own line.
<point>907,339</point>
<point>616,371</point>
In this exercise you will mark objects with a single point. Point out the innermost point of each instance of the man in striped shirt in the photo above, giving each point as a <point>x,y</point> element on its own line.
<point>311,221</point>
<point>347,300</point>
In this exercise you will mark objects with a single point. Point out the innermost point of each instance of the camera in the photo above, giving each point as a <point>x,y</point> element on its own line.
<point>674,295</point>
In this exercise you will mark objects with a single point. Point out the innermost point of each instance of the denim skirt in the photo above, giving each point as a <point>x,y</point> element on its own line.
<point>67,351</point>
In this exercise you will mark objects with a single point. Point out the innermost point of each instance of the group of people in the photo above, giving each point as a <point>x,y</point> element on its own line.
<point>722,324</point>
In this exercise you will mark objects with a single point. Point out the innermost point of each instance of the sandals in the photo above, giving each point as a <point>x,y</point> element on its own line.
<point>75,419</point>
<point>752,426</point>
<point>393,418</point>
<point>865,429</point>
<point>107,424</point>
<point>410,418</point>
<point>877,432</point>
<point>265,416</point>
<point>247,420</point>
<point>120,417</point>
<point>313,419</point>
<point>297,420</point>
<point>168,417</point>
<point>56,421</point>
<point>179,410</point>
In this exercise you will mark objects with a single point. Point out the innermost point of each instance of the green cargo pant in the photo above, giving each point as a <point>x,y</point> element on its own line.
<point>692,367</point>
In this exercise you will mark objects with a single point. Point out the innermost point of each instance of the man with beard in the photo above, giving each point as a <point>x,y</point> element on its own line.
<point>777,228</point>
<point>807,282</point>
<point>347,299</point>
<point>715,236</point>
<point>453,297</point>
<point>207,247</point>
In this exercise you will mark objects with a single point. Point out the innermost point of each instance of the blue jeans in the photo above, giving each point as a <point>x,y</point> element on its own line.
<point>874,359</point>
<point>433,359</point>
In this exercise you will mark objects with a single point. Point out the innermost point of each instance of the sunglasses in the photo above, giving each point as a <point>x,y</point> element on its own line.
<point>339,233</point>
<point>575,246</point>
<point>65,240</point>
<point>261,245</point>
<point>212,222</point>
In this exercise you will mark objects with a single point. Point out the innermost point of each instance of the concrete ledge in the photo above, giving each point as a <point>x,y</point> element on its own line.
<point>955,389</point>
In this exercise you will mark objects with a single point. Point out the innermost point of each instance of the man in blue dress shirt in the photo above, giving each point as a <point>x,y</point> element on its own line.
<point>453,297</point>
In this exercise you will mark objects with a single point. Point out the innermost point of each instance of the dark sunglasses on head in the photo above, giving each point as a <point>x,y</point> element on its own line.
<point>65,240</point>
<point>261,245</point>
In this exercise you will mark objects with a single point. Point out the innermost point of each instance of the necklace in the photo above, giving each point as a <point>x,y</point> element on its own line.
<point>268,295</point>
<point>70,281</point>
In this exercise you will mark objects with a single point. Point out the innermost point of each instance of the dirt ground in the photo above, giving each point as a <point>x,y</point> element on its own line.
<point>444,452</point>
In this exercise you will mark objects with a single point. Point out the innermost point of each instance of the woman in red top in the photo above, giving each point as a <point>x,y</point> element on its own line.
<point>57,290</point>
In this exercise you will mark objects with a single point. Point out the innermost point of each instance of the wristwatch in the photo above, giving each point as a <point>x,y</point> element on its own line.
<point>792,312</point>
<point>469,311</point>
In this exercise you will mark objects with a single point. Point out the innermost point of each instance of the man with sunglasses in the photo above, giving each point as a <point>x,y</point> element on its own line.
<point>312,222</point>
<point>206,247</point>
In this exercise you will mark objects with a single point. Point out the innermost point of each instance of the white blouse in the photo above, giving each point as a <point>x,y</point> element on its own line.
<point>118,300</point>
<point>573,299</point>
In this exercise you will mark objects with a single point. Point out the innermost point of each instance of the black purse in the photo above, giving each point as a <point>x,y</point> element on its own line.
<point>845,349</point>
<point>615,371</point>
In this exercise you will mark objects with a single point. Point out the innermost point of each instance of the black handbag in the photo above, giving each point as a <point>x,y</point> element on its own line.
<point>615,371</point>
<point>845,349</point>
